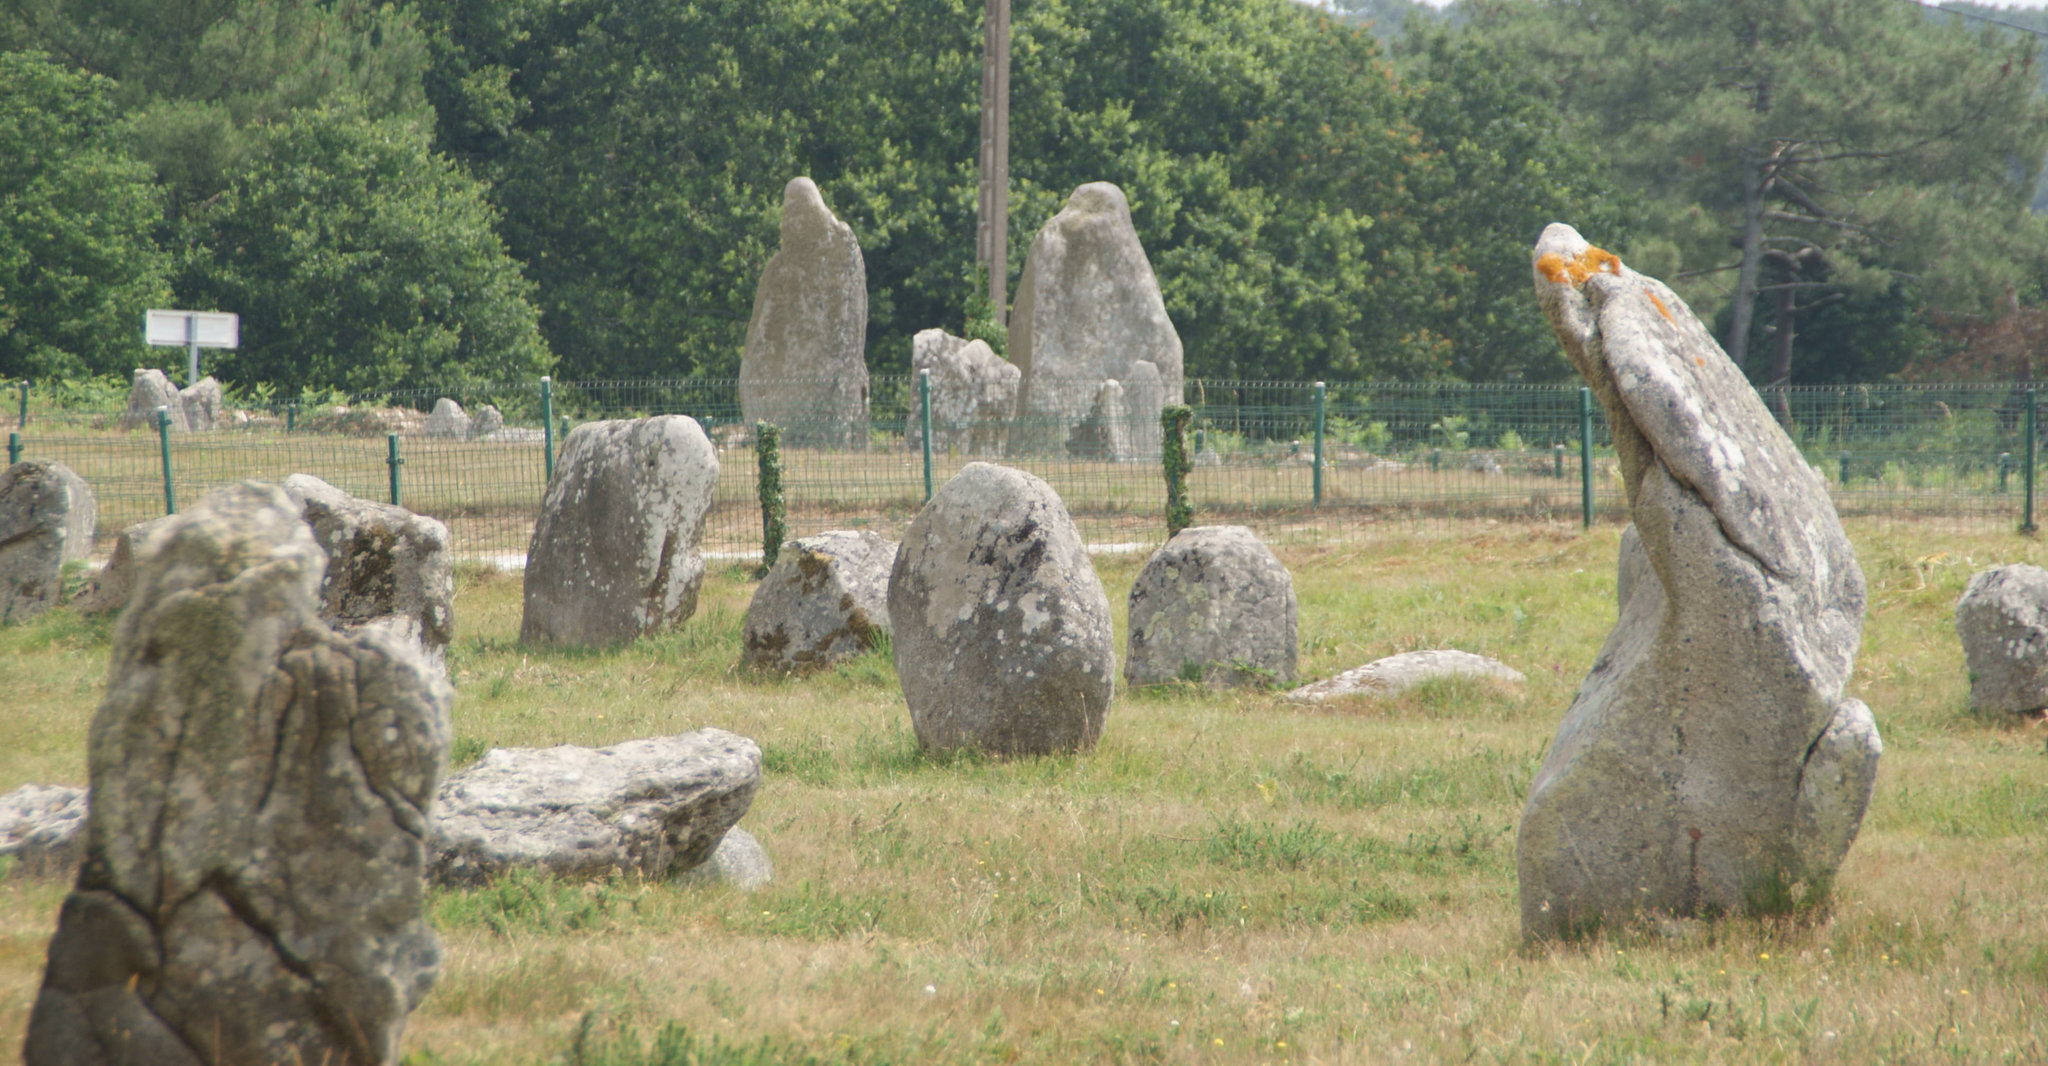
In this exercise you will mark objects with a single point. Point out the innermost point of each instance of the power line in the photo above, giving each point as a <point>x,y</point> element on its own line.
<point>1960,13</point>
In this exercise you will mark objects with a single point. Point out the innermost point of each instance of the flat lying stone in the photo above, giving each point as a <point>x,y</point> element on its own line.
<point>42,828</point>
<point>1399,673</point>
<point>654,807</point>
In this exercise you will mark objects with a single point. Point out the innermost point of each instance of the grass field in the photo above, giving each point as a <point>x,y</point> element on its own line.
<point>1225,879</point>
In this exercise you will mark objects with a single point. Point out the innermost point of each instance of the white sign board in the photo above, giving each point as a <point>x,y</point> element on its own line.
<point>201,329</point>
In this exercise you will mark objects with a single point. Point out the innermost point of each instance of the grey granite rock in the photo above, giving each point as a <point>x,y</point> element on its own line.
<point>1711,763</point>
<point>386,566</point>
<point>1399,673</point>
<point>826,599</point>
<point>614,554</point>
<point>804,367</point>
<point>740,861</point>
<point>205,408</point>
<point>448,421</point>
<point>114,582</point>
<point>47,514</point>
<point>1213,602</point>
<point>42,828</point>
<point>488,420</point>
<point>151,390</point>
<point>2002,620</point>
<point>656,807</point>
<point>974,394</point>
<point>1087,309</point>
<point>261,788</point>
<point>999,624</point>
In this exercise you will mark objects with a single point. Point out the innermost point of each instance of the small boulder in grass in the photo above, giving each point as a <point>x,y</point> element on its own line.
<point>2002,621</point>
<point>1216,602</point>
<point>825,600</point>
<point>1396,674</point>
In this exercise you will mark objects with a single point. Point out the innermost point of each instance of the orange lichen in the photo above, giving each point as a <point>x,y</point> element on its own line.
<point>1661,309</point>
<point>1558,270</point>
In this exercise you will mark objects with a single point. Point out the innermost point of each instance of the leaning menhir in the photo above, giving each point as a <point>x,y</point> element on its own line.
<point>1213,602</point>
<point>1710,763</point>
<point>614,554</point>
<point>1088,309</point>
<point>804,366</point>
<point>261,793</point>
<point>2002,621</point>
<point>1000,626</point>
<point>47,514</point>
<point>826,599</point>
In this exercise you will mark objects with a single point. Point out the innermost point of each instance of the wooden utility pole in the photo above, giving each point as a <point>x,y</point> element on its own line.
<point>992,216</point>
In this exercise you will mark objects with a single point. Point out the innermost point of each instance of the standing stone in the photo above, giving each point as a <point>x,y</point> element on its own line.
<point>826,599</point>
<point>1710,763</point>
<point>804,367</point>
<point>614,555</point>
<point>1106,433</point>
<point>261,792</point>
<point>1144,399</point>
<point>203,405</point>
<point>974,394</point>
<point>655,807</point>
<point>150,391</point>
<point>115,581</point>
<point>2002,620</point>
<point>47,515</point>
<point>448,421</point>
<point>1213,602</point>
<point>386,566</point>
<point>1087,308</point>
<point>488,420</point>
<point>1000,627</point>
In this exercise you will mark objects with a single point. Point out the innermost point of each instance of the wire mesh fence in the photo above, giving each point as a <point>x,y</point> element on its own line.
<point>1294,460</point>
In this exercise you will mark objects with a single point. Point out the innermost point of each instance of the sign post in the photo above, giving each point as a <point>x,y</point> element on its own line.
<point>192,330</point>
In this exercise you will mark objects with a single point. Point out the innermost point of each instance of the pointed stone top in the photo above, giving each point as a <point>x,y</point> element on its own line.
<point>1099,198</point>
<point>804,214</point>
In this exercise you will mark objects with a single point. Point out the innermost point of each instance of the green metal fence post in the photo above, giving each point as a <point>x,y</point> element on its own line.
<point>547,425</point>
<point>14,447</point>
<point>391,459</point>
<point>1586,457</point>
<point>1845,469</point>
<point>1322,399</point>
<point>2004,470</point>
<point>163,440</point>
<point>291,416</point>
<point>1557,457</point>
<point>23,422</point>
<point>2033,411</point>
<point>924,414</point>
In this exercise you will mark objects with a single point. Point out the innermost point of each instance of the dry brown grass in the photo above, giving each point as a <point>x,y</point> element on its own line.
<point>1225,879</point>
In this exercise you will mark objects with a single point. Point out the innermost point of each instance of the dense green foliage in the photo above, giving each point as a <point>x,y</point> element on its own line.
<point>77,262</point>
<point>360,260</point>
<point>1847,150</point>
<point>443,191</point>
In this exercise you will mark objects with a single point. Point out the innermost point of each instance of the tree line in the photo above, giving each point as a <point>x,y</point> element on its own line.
<point>424,194</point>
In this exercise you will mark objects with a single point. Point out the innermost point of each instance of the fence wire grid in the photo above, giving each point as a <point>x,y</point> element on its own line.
<point>1293,460</point>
